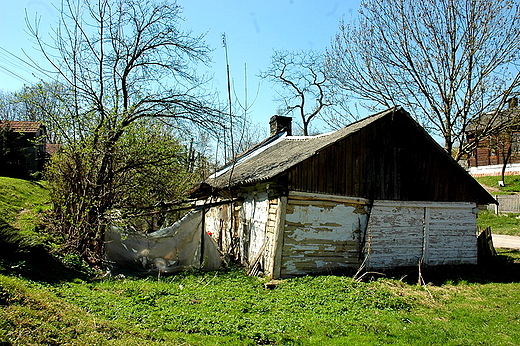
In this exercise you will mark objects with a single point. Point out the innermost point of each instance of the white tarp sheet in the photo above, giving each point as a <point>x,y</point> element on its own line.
<point>183,246</point>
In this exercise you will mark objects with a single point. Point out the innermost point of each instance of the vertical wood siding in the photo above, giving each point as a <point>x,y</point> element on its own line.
<point>392,159</point>
<point>252,225</point>
<point>269,254</point>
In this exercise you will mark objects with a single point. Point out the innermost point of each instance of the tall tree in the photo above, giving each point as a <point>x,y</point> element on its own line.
<point>304,83</point>
<point>446,61</point>
<point>50,103</point>
<point>11,108</point>
<point>120,62</point>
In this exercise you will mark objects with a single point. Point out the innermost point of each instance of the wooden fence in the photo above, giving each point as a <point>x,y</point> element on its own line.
<point>507,204</point>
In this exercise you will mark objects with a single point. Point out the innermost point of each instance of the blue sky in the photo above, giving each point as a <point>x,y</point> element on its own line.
<point>253,29</point>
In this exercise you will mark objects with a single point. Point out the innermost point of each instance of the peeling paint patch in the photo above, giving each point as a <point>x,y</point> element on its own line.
<point>326,233</point>
<point>404,233</point>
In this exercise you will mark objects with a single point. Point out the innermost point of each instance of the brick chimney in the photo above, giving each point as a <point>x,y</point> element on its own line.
<point>278,124</point>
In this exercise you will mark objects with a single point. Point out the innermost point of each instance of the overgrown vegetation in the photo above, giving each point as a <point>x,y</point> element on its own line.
<point>230,308</point>
<point>149,166</point>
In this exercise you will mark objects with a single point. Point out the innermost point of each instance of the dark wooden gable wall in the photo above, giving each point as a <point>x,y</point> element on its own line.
<point>393,159</point>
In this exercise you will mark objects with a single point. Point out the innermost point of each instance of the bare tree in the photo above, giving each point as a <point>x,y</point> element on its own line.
<point>49,103</point>
<point>304,84</point>
<point>11,108</point>
<point>121,62</point>
<point>446,61</point>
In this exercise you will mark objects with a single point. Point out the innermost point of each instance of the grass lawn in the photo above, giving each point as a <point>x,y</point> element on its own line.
<point>466,307</point>
<point>512,184</point>
<point>508,224</point>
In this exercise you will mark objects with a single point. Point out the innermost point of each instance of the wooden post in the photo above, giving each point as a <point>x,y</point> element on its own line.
<point>203,230</point>
<point>426,234</point>
<point>275,270</point>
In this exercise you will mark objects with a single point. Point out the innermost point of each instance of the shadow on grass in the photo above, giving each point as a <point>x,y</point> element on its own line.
<point>502,268</point>
<point>32,261</point>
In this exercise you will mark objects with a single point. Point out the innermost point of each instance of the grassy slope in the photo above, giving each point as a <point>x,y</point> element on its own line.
<point>21,205</point>
<point>24,243</point>
<point>512,184</point>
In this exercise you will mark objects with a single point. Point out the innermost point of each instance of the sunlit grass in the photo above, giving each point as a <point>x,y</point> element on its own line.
<point>508,224</point>
<point>22,203</point>
<point>512,183</point>
<point>230,308</point>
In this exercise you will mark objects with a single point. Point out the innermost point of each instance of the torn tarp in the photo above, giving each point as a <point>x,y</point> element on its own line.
<point>183,246</point>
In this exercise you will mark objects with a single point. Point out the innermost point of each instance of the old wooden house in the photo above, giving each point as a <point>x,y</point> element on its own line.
<point>31,138</point>
<point>379,193</point>
<point>499,150</point>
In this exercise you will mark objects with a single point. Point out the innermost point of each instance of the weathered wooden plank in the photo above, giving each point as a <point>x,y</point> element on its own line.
<point>322,241</point>
<point>447,235</point>
<point>351,253</point>
<point>305,196</point>
<point>306,266</point>
<point>278,240</point>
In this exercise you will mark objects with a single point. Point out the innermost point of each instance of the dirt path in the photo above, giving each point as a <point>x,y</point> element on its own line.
<point>506,241</point>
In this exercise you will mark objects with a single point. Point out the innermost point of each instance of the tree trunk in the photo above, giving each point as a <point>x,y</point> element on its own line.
<point>506,158</point>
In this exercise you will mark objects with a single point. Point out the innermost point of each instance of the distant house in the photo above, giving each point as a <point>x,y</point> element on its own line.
<point>491,152</point>
<point>379,193</point>
<point>32,138</point>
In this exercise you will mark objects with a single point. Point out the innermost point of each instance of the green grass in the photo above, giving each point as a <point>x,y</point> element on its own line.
<point>22,203</point>
<point>512,183</point>
<point>25,243</point>
<point>508,224</point>
<point>230,308</point>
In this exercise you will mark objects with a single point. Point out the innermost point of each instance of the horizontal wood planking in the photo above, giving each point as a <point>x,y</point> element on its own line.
<point>321,235</point>
<point>435,233</point>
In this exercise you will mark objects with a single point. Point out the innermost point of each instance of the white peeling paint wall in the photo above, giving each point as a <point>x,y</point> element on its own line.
<point>321,236</point>
<point>435,233</point>
<point>217,223</point>
<point>252,227</point>
<point>452,235</point>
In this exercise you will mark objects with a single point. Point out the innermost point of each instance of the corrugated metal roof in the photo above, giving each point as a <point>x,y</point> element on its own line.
<point>266,162</point>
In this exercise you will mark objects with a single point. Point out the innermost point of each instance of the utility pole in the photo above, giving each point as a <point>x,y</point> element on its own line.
<point>224,44</point>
